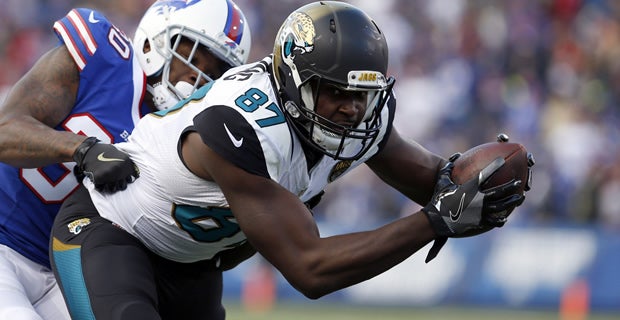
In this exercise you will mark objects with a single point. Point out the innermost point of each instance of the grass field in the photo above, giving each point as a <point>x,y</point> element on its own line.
<point>319,311</point>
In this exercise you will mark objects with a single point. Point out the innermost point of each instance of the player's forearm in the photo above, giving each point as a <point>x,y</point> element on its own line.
<point>37,103</point>
<point>28,144</point>
<point>418,181</point>
<point>408,167</point>
<point>344,260</point>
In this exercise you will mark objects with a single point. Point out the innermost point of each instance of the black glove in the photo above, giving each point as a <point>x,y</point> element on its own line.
<point>465,210</point>
<point>107,167</point>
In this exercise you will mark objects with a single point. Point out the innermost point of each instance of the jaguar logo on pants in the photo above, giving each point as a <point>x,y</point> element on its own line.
<point>76,226</point>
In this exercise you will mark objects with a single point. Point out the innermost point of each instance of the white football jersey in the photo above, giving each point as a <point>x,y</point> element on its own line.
<point>185,218</point>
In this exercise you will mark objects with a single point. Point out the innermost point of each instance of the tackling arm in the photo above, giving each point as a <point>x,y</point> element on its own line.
<point>36,104</point>
<point>41,100</point>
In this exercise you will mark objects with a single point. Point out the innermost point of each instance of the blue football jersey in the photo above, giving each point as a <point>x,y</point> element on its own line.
<point>109,103</point>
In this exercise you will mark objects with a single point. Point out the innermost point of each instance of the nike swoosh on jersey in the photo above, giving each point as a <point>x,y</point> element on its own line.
<point>101,157</point>
<point>457,215</point>
<point>91,17</point>
<point>236,142</point>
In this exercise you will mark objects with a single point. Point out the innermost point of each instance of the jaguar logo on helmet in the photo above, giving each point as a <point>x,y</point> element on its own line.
<point>299,35</point>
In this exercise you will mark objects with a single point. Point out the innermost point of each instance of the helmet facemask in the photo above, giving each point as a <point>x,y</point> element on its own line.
<point>165,93</point>
<point>335,140</point>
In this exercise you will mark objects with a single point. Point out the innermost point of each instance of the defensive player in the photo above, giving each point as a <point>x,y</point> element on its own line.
<point>236,167</point>
<point>79,98</point>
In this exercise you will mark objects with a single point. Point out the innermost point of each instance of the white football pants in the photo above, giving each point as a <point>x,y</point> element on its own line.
<point>28,291</point>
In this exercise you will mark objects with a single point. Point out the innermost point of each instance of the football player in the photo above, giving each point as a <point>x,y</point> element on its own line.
<point>236,168</point>
<point>81,97</point>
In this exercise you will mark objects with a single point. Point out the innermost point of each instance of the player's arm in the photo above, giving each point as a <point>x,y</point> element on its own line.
<point>37,103</point>
<point>425,178</point>
<point>283,230</point>
<point>408,167</point>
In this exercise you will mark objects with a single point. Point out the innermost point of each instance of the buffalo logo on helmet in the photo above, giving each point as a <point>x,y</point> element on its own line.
<point>163,6</point>
<point>235,20</point>
<point>298,35</point>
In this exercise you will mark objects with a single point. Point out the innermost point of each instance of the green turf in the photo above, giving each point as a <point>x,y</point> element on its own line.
<point>321,311</point>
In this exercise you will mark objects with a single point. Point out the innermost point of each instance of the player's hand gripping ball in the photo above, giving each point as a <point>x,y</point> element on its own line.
<point>516,171</point>
<point>477,190</point>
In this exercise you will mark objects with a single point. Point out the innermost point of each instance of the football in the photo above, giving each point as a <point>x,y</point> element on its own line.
<point>470,163</point>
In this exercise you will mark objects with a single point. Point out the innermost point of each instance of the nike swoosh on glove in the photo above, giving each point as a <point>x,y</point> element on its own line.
<point>108,168</point>
<point>455,210</point>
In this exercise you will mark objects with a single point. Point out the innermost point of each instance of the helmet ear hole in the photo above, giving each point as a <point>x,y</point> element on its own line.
<point>147,46</point>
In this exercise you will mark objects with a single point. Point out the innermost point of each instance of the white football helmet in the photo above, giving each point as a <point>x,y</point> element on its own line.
<point>218,25</point>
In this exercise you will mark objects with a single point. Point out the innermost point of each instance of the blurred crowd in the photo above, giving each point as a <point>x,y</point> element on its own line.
<point>545,72</point>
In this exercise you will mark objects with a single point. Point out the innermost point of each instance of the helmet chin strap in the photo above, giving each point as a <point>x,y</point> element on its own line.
<point>164,98</point>
<point>325,139</point>
<point>328,140</point>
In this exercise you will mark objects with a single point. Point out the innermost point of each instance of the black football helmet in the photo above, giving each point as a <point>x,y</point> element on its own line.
<point>340,45</point>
